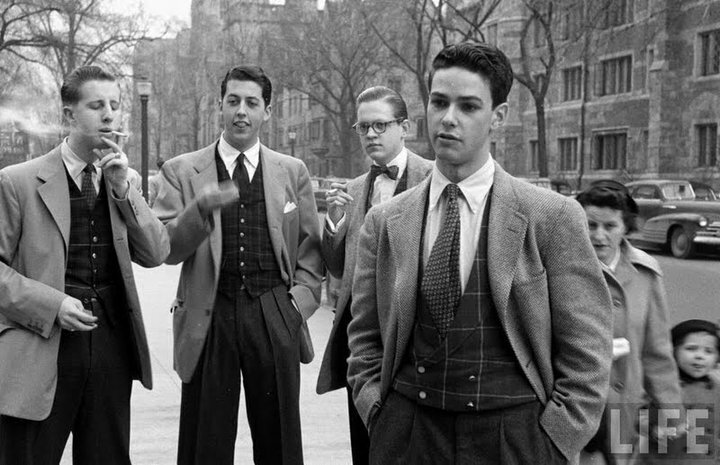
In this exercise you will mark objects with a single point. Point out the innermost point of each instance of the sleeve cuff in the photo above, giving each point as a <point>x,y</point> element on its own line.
<point>124,197</point>
<point>333,228</point>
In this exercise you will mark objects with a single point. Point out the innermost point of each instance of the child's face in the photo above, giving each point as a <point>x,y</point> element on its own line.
<point>697,354</point>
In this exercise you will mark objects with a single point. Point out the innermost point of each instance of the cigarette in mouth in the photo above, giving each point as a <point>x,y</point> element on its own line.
<point>118,133</point>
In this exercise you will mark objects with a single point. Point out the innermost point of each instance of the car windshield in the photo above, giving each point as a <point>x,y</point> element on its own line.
<point>678,191</point>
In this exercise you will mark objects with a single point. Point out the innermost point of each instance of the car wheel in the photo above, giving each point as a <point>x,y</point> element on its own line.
<point>681,244</point>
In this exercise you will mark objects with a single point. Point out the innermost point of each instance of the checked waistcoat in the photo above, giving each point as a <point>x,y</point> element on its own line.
<point>248,259</point>
<point>473,368</point>
<point>92,262</point>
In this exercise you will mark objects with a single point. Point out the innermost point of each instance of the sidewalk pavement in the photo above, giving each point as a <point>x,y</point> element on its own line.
<point>156,413</point>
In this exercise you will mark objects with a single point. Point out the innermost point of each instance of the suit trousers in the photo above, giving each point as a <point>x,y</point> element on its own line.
<point>405,432</point>
<point>359,440</point>
<point>258,337</point>
<point>92,399</point>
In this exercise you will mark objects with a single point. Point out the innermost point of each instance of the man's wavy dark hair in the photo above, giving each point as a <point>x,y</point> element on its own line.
<point>484,59</point>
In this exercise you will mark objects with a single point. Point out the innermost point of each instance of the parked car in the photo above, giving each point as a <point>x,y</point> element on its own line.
<point>704,191</point>
<point>670,216</point>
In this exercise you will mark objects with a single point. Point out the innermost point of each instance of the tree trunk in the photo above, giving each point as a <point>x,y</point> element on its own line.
<point>541,132</point>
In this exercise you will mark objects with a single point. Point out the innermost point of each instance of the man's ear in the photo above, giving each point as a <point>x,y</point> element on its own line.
<point>499,115</point>
<point>405,126</point>
<point>68,114</point>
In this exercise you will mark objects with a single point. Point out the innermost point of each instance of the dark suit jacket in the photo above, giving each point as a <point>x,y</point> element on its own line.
<point>546,284</point>
<point>197,242</point>
<point>339,254</point>
<point>34,232</point>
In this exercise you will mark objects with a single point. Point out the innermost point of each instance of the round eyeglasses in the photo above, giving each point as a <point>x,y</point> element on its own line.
<point>378,126</point>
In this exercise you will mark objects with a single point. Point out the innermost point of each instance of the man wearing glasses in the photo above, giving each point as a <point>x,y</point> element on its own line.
<point>382,126</point>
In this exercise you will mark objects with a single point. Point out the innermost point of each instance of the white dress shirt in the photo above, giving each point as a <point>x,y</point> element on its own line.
<point>471,204</point>
<point>613,263</point>
<point>75,166</point>
<point>383,187</point>
<point>229,155</point>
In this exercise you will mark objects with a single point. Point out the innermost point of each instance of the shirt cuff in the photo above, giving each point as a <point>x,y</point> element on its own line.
<point>292,301</point>
<point>333,228</point>
<point>112,192</point>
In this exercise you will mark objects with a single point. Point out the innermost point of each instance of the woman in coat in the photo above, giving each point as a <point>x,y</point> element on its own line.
<point>643,365</point>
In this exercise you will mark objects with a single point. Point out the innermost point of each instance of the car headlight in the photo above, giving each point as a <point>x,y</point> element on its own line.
<point>703,222</point>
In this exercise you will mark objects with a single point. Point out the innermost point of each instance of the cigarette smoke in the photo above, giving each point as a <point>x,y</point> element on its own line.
<point>28,122</point>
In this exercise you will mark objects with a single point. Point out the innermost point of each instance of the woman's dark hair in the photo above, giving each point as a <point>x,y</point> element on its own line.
<point>611,194</point>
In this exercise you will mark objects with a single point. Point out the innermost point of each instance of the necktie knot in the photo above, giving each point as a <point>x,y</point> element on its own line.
<point>452,191</point>
<point>89,168</point>
<point>389,171</point>
<point>240,169</point>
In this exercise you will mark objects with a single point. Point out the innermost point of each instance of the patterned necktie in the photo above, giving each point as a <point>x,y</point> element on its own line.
<point>241,169</point>
<point>440,284</point>
<point>375,171</point>
<point>88,188</point>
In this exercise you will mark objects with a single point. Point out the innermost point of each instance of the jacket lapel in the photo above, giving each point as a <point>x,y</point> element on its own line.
<point>207,175</point>
<point>273,176</point>
<point>404,237</point>
<point>358,190</point>
<point>54,192</point>
<point>506,233</point>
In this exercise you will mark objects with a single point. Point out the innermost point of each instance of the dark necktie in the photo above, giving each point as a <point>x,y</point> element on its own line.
<point>375,171</point>
<point>88,188</point>
<point>441,286</point>
<point>241,170</point>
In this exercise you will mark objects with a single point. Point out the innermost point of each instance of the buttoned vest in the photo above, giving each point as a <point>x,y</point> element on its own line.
<point>247,255</point>
<point>473,368</point>
<point>92,262</point>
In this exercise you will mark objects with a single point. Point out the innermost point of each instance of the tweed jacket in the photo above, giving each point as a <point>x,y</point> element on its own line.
<point>642,317</point>
<point>196,242</point>
<point>546,283</point>
<point>34,233</point>
<point>339,254</point>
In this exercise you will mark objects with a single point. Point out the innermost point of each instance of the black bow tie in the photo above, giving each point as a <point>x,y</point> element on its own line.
<point>389,171</point>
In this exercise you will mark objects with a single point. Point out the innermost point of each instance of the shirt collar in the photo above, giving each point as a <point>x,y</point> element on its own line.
<point>474,188</point>
<point>614,263</point>
<point>229,154</point>
<point>400,161</point>
<point>73,163</point>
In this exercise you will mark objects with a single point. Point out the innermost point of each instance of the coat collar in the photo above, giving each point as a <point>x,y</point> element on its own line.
<point>54,190</point>
<point>639,258</point>
<point>506,232</point>
<point>630,260</point>
<point>405,230</point>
